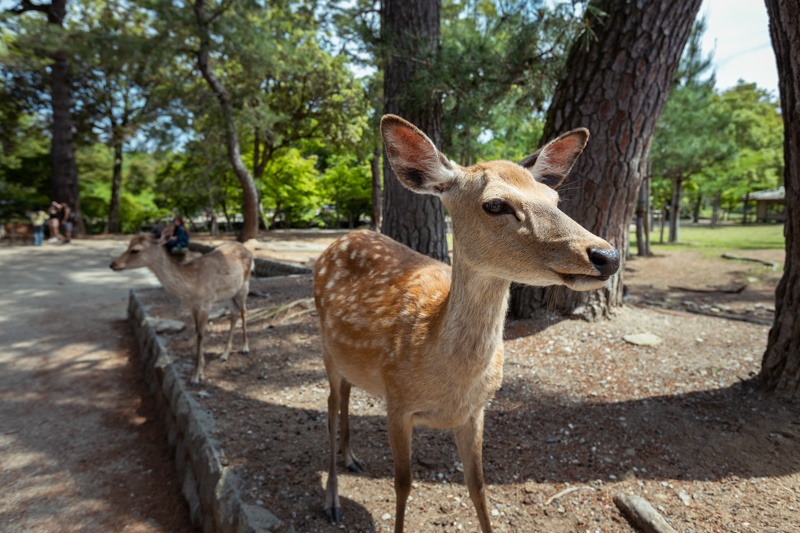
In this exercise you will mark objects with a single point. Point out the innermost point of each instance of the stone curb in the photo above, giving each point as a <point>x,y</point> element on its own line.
<point>210,489</point>
<point>264,268</point>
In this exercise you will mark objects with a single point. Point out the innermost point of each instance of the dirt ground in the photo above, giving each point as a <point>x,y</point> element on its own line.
<point>679,424</point>
<point>81,445</point>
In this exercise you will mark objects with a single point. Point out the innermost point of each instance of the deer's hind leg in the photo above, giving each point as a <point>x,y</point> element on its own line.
<point>333,509</point>
<point>350,460</point>
<point>238,308</point>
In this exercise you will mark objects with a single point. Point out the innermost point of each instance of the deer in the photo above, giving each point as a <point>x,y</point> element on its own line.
<point>429,337</point>
<point>220,275</point>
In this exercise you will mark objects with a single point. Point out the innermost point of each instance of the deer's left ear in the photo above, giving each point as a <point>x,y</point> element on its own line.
<point>551,164</point>
<point>414,158</point>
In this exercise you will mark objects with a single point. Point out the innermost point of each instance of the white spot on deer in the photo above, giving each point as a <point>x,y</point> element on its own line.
<point>322,270</point>
<point>330,284</point>
<point>353,254</point>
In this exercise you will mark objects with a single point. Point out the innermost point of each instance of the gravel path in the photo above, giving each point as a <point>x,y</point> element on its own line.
<point>81,447</point>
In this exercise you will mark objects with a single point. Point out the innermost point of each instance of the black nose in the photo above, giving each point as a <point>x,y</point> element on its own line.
<point>111,266</point>
<point>605,260</point>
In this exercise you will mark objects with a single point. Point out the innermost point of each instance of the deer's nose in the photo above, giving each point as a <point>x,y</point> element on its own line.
<point>605,260</point>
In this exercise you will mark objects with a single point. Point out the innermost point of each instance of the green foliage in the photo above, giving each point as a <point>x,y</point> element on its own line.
<point>722,146</point>
<point>347,184</point>
<point>496,56</point>
<point>291,188</point>
<point>24,162</point>
<point>138,199</point>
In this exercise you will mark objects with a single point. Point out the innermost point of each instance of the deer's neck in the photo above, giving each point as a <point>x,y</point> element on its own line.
<point>173,277</point>
<point>475,316</point>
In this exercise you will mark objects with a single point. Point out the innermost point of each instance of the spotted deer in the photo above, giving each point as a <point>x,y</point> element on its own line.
<point>427,337</point>
<point>220,275</point>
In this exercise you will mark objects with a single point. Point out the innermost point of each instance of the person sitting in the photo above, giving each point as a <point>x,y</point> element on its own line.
<point>179,240</point>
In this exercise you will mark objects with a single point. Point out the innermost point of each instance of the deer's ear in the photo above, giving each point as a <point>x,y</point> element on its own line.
<point>551,164</point>
<point>414,158</point>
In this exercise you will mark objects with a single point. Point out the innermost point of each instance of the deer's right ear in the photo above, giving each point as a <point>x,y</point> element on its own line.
<point>414,158</point>
<point>551,164</point>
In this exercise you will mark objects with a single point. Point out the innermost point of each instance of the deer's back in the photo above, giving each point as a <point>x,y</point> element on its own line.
<point>380,305</point>
<point>219,274</point>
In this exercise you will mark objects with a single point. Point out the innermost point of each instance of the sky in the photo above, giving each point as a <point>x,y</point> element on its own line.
<point>738,32</point>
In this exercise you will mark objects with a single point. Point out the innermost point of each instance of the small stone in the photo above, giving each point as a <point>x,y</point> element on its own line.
<point>561,509</point>
<point>699,339</point>
<point>715,310</point>
<point>495,512</point>
<point>643,339</point>
<point>685,498</point>
<point>386,516</point>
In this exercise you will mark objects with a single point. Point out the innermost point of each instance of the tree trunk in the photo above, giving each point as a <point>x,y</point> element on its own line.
<point>375,167</point>
<point>113,225</point>
<point>616,85</point>
<point>250,208</point>
<point>675,211</point>
<point>697,205</point>
<point>412,27</point>
<point>642,214</point>
<point>715,211</point>
<point>62,149</point>
<point>228,223</point>
<point>259,164</point>
<point>746,205</point>
<point>780,367</point>
<point>648,181</point>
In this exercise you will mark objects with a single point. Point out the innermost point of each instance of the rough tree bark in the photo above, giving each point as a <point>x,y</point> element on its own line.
<point>675,210</point>
<point>780,367</point>
<point>616,85</point>
<point>250,208</point>
<point>411,28</point>
<point>62,149</point>
<point>375,168</point>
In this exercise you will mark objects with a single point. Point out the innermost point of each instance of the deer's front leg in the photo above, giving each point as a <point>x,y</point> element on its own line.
<point>200,315</point>
<point>400,428</point>
<point>469,440</point>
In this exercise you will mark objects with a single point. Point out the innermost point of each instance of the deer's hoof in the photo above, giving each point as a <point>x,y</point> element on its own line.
<point>246,351</point>
<point>224,357</point>
<point>356,466</point>
<point>334,515</point>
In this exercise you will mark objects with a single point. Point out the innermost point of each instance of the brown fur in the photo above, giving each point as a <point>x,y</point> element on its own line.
<point>222,274</point>
<point>428,337</point>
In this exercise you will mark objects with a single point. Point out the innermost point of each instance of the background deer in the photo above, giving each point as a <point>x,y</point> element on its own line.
<point>430,338</point>
<point>220,275</point>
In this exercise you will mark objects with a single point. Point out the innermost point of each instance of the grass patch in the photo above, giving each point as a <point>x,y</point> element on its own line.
<point>733,237</point>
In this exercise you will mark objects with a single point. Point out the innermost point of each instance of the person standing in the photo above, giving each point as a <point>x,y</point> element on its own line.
<point>53,212</point>
<point>67,216</point>
<point>38,219</point>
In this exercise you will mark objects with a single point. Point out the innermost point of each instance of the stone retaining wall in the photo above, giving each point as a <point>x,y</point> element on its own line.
<point>211,490</point>
<point>265,268</point>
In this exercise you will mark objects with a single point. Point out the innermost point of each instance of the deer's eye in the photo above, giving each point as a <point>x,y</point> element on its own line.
<point>497,207</point>
<point>134,251</point>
